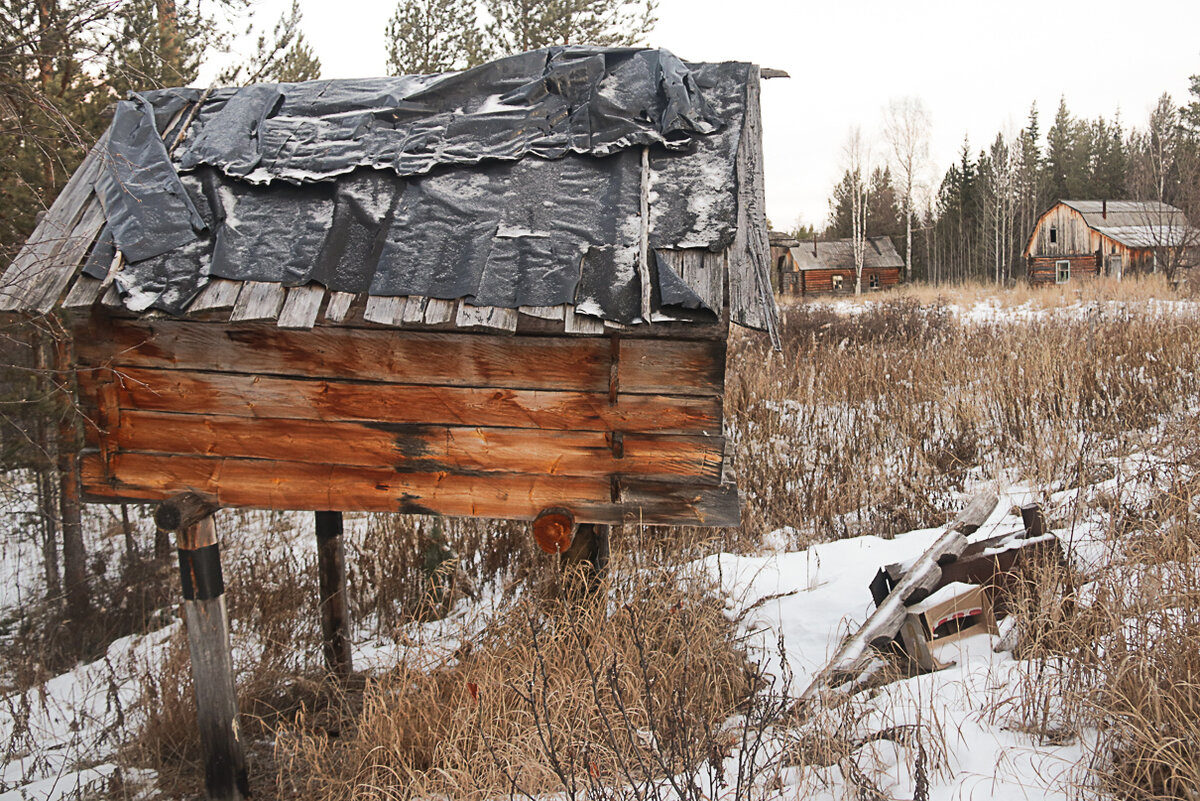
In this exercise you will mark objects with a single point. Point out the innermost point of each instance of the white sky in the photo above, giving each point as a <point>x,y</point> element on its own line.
<point>977,65</point>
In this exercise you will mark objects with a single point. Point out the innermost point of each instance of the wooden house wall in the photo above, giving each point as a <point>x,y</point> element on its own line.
<point>1044,269</point>
<point>817,281</point>
<point>786,272</point>
<point>460,424</point>
<point>1074,236</point>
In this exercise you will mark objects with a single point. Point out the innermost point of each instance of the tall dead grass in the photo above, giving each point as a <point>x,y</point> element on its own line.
<point>869,422</point>
<point>1111,655</point>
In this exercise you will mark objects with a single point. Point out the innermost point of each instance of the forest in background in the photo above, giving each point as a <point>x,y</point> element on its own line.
<point>973,221</point>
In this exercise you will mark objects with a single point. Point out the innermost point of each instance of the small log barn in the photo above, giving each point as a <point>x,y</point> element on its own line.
<point>499,293</point>
<point>1079,239</point>
<point>827,267</point>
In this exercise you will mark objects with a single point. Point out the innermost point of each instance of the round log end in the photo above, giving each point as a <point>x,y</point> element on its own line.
<point>184,510</point>
<point>554,529</point>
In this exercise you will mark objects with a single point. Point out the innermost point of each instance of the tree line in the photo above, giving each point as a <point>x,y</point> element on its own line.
<point>973,222</point>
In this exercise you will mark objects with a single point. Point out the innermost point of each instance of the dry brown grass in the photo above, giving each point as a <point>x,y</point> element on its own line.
<point>1112,656</point>
<point>868,423</point>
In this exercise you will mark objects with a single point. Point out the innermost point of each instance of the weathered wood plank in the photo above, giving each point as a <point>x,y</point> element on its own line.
<point>84,293</point>
<point>288,485</point>
<point>671,367</point>
<point>218,293</point>
<point>486,317</point>
<point>438,311</point>
<point>455,450</point>
<point>384,310</point>
<point>543,312</point>
<point>301,307</point>
<point>268,396</point>
<point>664,366</point>
<point>581,323</point>
<point>25,282</point>
<point>70,254</point>
<point>258,300</point>
<point>339,306</point>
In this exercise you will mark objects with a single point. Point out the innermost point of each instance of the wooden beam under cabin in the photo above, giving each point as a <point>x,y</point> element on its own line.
<point>253,483</point>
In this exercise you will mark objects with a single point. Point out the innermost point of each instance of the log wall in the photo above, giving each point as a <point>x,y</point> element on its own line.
<point>357,419</point>
<point>1044,269</point>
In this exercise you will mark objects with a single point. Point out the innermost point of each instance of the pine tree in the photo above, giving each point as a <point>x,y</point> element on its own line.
<point>283,57</point>
<point>427,36</point>
<point>520,25</point>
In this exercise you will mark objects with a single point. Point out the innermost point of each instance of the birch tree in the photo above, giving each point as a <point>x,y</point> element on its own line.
<point>857,157</point>
<point>907,124</point>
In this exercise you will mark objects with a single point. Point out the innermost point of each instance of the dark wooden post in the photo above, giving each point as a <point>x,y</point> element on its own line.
<point>331,586</point>
<point>189,515</point>
<point>589,548</point>
<point>1033,519</point>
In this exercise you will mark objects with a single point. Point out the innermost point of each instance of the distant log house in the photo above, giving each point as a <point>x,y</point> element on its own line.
<point>1081,239</point>
<point>827,266</point>
<point>483,294</point>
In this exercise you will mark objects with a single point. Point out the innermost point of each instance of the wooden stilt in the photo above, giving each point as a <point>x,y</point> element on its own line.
<point>190,516</point>
<point>589,548</point>
<point>331,575</point>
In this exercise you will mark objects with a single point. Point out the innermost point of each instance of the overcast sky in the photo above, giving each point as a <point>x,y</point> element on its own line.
<point>977,65</point>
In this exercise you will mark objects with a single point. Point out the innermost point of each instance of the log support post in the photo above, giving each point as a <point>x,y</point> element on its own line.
<point>589,551</point>
<point>331,586</point>
<point>189,515</point>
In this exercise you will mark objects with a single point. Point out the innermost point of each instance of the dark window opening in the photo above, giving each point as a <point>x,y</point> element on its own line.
<point>874,281</point>
<point>1053,234</point>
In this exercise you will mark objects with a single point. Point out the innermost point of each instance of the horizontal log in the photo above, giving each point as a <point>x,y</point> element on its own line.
<point>318,399</point>
<point>674,367</point>
<point>290,485</point>
<point>455,450</point>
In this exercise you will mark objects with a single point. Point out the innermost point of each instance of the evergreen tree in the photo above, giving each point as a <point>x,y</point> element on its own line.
<point>427,36</point>
<point>884,215</point>
<point>520,25</point>
<point>284,57</point>
<point>1062,155</point>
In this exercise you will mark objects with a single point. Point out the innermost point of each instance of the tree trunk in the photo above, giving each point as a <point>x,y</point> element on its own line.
<point>74,554</point>
<point>46,462</point>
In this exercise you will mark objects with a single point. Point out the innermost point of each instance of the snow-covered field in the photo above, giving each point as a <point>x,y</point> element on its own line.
<point>61,739</point>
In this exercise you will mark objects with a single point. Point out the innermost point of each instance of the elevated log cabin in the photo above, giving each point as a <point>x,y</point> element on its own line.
<point>1080,239</point>
<point>497,293</point>
<point>827,267</point>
